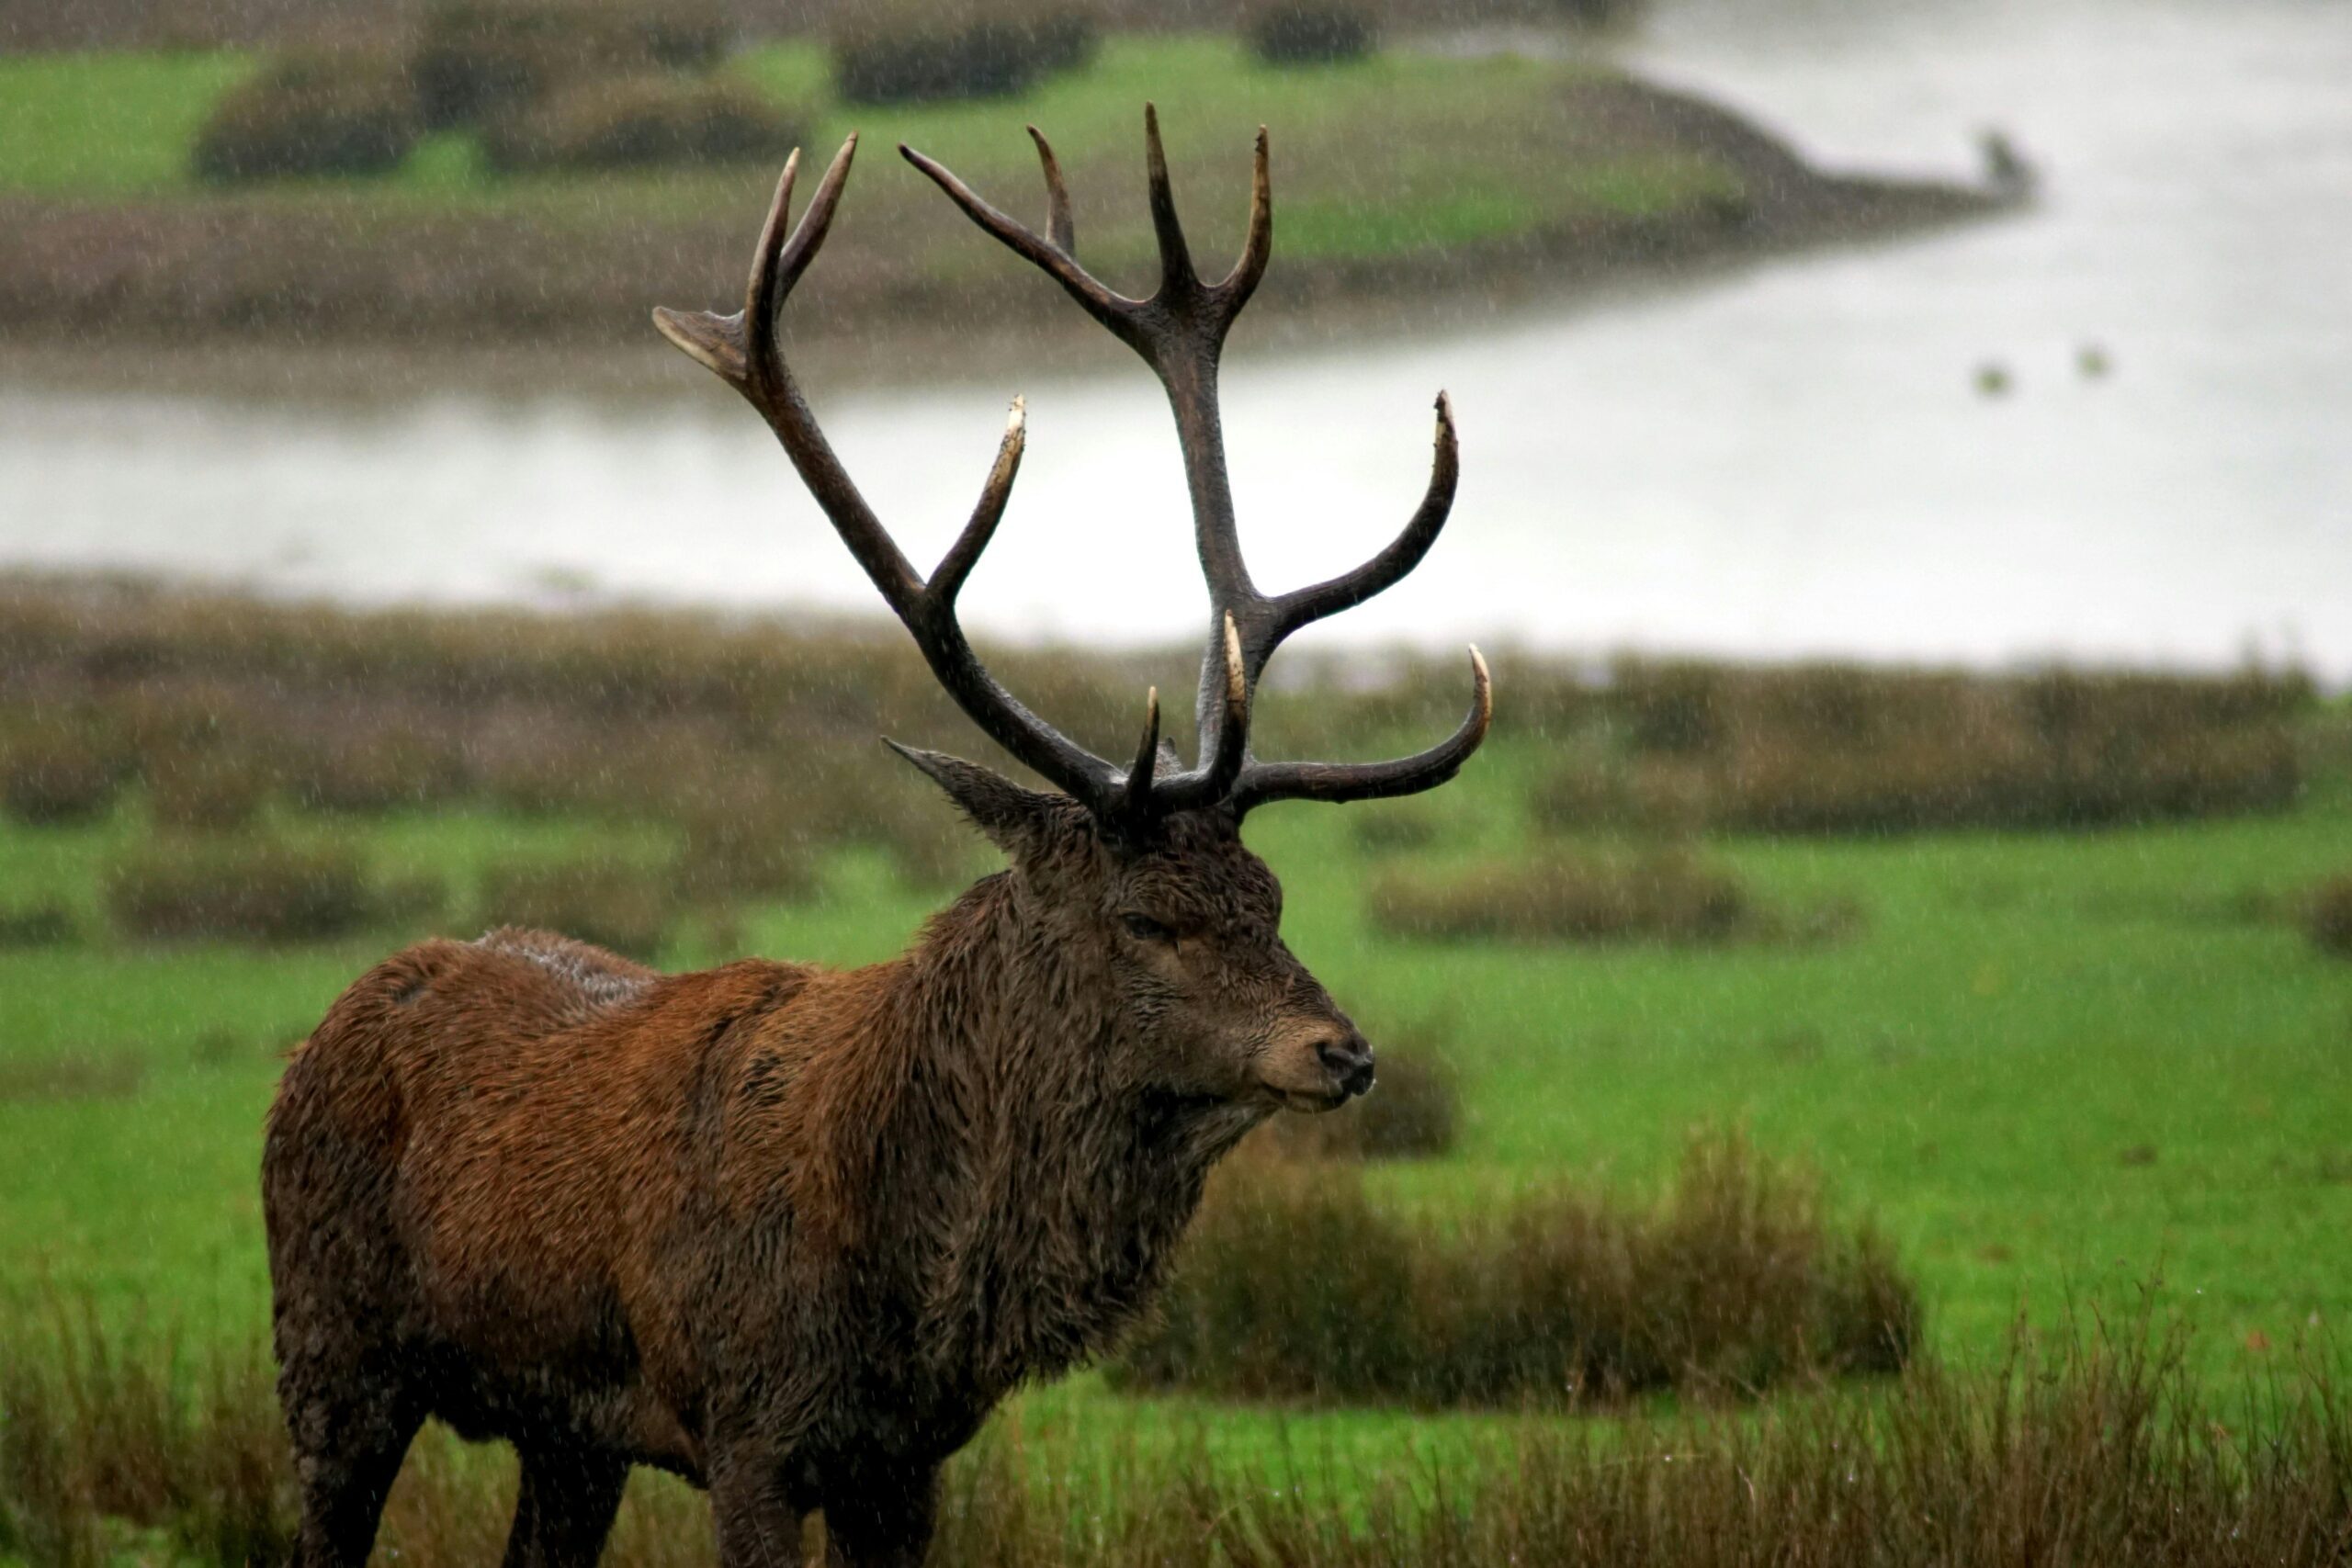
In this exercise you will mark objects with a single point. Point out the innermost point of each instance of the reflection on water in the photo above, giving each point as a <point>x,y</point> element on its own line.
<point>1799,460</point>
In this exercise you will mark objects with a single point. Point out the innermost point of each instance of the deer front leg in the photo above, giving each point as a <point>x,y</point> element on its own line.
<point>880,1516</point>
<point>754,1513</point>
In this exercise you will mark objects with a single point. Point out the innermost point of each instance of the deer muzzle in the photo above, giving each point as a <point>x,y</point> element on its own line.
<point>1319,1064</point>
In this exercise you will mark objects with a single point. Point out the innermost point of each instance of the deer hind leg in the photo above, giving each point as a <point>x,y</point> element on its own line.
<point>349,1435</point>
<point>565,1509</point>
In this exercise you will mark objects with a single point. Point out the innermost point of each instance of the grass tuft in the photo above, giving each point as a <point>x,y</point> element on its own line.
<point>2328,915</point>
<point>1656,893</point>
<point>243,889</point>
<point>1294,1285</point>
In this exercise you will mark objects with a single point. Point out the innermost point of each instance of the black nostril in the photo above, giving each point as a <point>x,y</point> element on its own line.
<point>1349,1059</point>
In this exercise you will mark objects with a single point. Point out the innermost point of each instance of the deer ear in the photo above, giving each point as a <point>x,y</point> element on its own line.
<point>1012,817</point>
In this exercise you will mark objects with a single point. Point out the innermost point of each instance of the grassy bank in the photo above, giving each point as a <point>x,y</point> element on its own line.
<point>2094,1445</point>
<point>1401,170</point>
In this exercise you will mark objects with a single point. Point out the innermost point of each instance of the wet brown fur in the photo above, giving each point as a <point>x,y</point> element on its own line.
<point>785,1231</point>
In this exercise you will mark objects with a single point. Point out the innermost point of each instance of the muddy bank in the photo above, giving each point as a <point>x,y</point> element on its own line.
<point>351,272</point>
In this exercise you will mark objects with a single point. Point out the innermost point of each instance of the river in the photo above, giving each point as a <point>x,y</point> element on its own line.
<point>1791,459</point>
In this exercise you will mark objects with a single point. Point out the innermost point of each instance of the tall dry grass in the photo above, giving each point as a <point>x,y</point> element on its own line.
<point>1294,1284</point>
<point>1834,749</point>
<point>247,889</point>
<point>2093,1445</point>
<point>366,710</point>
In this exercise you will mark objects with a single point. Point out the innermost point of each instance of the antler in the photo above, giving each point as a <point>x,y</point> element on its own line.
<point>1180,332</point>
<point>744,351</point>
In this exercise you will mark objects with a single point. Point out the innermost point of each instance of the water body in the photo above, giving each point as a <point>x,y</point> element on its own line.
<point>1793,459</point>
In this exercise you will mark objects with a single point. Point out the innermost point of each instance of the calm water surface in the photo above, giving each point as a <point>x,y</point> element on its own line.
<point>1792,461</point>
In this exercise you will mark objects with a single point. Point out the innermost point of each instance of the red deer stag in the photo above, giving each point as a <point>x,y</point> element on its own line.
<point>791,1233</point>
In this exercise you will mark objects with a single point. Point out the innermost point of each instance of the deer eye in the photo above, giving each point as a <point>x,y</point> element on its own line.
<point>1143,928</point>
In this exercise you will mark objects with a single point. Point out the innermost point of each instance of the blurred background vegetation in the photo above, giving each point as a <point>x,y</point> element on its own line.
<point>469,170</point>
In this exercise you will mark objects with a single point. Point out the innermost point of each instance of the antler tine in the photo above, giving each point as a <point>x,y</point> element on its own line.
<point>1262,782</point>
<point>1258,245</point>
<point>743,349</point>
<point>1303,605</point>
<point>1115,311</point>
<point>809,234</point>
<point>1060,229</point>
<point>1225,751</point>
<point>1135,798</point>
<point>1177,278</point>
<point>987,513</point>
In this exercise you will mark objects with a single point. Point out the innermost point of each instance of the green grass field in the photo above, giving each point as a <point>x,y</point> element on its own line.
<point>1392,153</point>
<point>2056,1068</point>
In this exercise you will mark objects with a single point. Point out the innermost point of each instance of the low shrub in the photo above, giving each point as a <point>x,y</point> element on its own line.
<point>1387,828</point>
<point>477,61</point>
<point>1308,32</point>
<point>1292,1285</point>
<point>312,115</point>
<point>1607,791</point>
<point>385,765</point>
<point>743,835</point>
<point>45,924</point>
<point>629,910</point>
<point>1663,894</point>
<point>641,121</point>
<point>243,890</point>
<point>1836,749</point>
<point>910,53</point>
<point>1061,37</point>
<point>1412,1113</point>
<point>211,790</point>
<point>55,779</point>
<point>2328,915</point>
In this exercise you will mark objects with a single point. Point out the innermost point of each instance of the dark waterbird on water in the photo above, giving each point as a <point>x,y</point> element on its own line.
<point>791,1233</point>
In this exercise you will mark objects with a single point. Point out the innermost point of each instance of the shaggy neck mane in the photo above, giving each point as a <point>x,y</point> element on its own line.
<point>991,1165</point>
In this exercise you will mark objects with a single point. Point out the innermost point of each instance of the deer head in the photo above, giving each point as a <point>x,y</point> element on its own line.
<point>1136,871</point>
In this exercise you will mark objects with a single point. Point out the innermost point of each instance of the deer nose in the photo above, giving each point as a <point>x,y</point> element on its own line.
<point>1348,1058</point>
